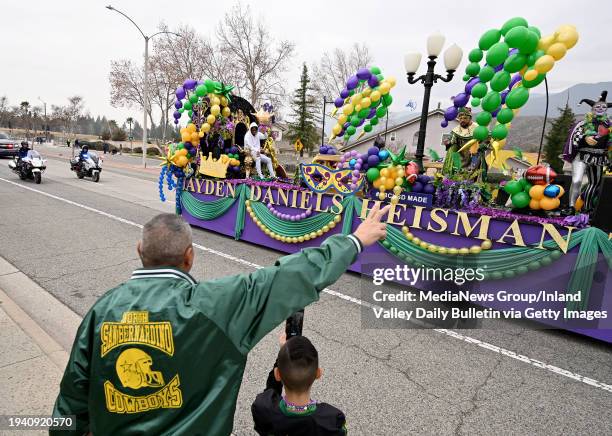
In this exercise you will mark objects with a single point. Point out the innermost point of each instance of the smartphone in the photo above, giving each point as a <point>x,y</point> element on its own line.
<point>294,324</point>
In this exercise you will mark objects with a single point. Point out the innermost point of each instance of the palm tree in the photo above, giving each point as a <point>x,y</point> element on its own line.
<point>130,120</point>
<point>25,113</point>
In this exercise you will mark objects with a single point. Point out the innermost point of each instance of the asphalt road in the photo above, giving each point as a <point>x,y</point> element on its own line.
<point>79,241</point>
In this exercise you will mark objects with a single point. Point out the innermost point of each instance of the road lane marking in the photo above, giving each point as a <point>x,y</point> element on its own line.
<point>449,333</point>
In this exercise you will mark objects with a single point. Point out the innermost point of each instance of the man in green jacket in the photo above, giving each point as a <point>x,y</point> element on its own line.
<point>164,354</point>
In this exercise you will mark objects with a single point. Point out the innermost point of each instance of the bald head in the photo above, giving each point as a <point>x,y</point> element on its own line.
<point>166,241</point>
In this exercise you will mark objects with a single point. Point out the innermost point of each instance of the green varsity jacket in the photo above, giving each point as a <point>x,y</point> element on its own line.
<point>164,354</point>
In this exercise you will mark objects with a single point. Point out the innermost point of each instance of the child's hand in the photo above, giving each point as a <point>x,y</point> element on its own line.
<point>282,338</point>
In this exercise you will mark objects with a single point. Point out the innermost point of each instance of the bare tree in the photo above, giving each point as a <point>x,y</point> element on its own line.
<point>334,69</point>
<point>126,80</point>
<point>4,110</point>
<point>260,59</point>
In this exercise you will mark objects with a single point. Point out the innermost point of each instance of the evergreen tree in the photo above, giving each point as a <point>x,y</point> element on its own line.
<point>303,106</point>
<point>556,138</point>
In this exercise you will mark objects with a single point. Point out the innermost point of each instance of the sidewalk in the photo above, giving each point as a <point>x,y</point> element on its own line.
<point>31,361</point>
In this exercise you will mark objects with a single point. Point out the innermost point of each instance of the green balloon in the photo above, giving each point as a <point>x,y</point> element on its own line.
<point>475,55</point>
<point>499,132</point>
<point>486,74</point>
<point>381,112</point>
<point>515,62</point>
<point>491,101</point>
<point>210,85</point>
<point>530,44</point>
<point>363,113</point>
<point>512,23</point>
<point>513,187</point>
<point>535,82</point>
<point>201,90</point>
<point>533,57</point>
<point>355,121</point>
<point>380,77</point>
<point>484,118</point>
<point>500,81</point>
<point>187,105</point>
<point>497,54</point>
<point>350,130</point>
<point>375,70</point>
<point>481,133</point>
<point>505,115</point>
<point>367,128</point>
<point>387,100</point>
<point>535,30</point>
<point>466,77</point>
<point>479,90</point>
<point>193,98</point>
<point>516,37</point>
<point>190,113</point>
<point>472,69</point>
<point>181,110</point>
<point>374,121</point>
<point>520,200</point>
<point>527,186</point>
<point>372,174</point>
<point>489,38</point>
<point>517,97</point>
<point>475,102</point>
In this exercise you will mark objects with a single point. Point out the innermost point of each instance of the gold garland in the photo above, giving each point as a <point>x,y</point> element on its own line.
<point>291,239</point>
<point>474,249</point>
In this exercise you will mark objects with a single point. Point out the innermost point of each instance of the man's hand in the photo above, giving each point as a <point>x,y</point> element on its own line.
<point>282,338</point>
<point>372,229</point>
<point>590,140</point>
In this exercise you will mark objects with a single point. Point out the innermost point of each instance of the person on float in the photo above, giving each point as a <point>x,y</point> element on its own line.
<point>164,354</point>
<point>252,143</point>
<point>587,151</point>
<point>459,135</point>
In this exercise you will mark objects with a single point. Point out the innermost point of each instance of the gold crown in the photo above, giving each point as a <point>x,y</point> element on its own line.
<point>213,168</point>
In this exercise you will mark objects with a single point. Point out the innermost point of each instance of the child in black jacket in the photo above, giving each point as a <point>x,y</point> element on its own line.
<point>295,414</point>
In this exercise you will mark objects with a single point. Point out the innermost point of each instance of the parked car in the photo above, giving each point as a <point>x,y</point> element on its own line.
<point>8,146</point>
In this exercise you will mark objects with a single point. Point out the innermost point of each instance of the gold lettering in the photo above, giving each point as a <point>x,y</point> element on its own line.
<point>556,236</point>
<point>198,184</point>
<point>365,208</point>
<point>268,197</point>
<point>305,200</point>
<point>438,220</point>
<point>416,220</point>
<point>294,197</point>
<point>394,213</point>
<point>219,188</point>
<point>230,190</point>
<point>189,183</point>
<point>209,188</point>
<point>255,193</point>
<point>515,229</point>
<point>283,196</point>
<point>337,207</point>
<point>318,203</point>
<point>464,220</point>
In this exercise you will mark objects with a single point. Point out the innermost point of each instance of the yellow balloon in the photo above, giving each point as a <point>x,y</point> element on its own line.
<point>375,96</point>
<point>226,112</point>
<point>568,37</point>
<point>391,81</point>
<point>366,92</point>
<point>183,130</point>
<point>384,172</point>
<point>181,161</point>
<point>195,138</point>
<point>356,98</point>
<point>397,190</point>
<point>215,110</point>
<point>205,127</point>
<point>544,64</point>
<point>549,203</point>
<point>342,119</point>
<point>215,101</point>
<point>357,108</point>
<point>534,204</point>
<point>377,183</point>
<point>546,41</point>
<point>348,109</point>
<point>536,192</point>
<point>530,75</point>
<point>224,101</point>
<point>381,195</point>
<point>210,119</point>
<point>389,183</point>
<point>191,128</point>
<point>365,102</point>
<point>579,204</point>
<point>186,137</point>
<point>337,129</point>
<point>384,88</point>
<point>557,51</point>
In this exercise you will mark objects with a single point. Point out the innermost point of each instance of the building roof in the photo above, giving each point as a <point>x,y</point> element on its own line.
<point>393,128</point>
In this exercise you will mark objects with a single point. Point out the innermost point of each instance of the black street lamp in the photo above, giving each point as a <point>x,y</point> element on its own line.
<point>452,59</point>
<point>325,103</point>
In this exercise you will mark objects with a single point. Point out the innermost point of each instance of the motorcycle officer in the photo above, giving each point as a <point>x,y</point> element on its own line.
<point>23,153</point>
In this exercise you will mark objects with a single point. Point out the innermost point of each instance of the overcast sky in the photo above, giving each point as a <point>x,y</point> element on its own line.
<point>55,49</point>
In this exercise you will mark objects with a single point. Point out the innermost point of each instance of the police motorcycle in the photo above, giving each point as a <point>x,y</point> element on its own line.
<point>87,164</point>
<point>30,166</point>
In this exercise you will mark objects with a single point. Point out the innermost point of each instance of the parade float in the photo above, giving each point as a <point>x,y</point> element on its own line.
<point>449,220</point>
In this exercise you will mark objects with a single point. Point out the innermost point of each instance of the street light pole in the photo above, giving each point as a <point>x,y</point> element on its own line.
<point>452,58</point>
<point>46,121</point>
<point>145,91</point>
<point>325,102</point>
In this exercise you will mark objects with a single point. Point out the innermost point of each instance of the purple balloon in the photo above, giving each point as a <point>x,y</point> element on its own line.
<point>356,173</point>
<point>373,151</point>
<point>361,122</point>
<point>461,100</point>
<point>180,93</point>
<point>495,112</point>
<point>364,157</point>
<point>345,125</point>
<point>364,74</point>
<point>499,67</point>
<point>373,81</point>
<point>417,187</point>
<point>429,189</point>
<point>352,82</point>
<point>444,123</point>
<point>344,93</point>
<point>515,79</point>
<point>451,113</point>
<point>190,84</point>
<point>339,102</point>
<point>503,95</point>
<point>176,121</point>
<point>373,160</point>
<point>372,113</point>
<point>468,86</point>
<point>176,114</point>
<point>178,104</point>
<point>513,51</point>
